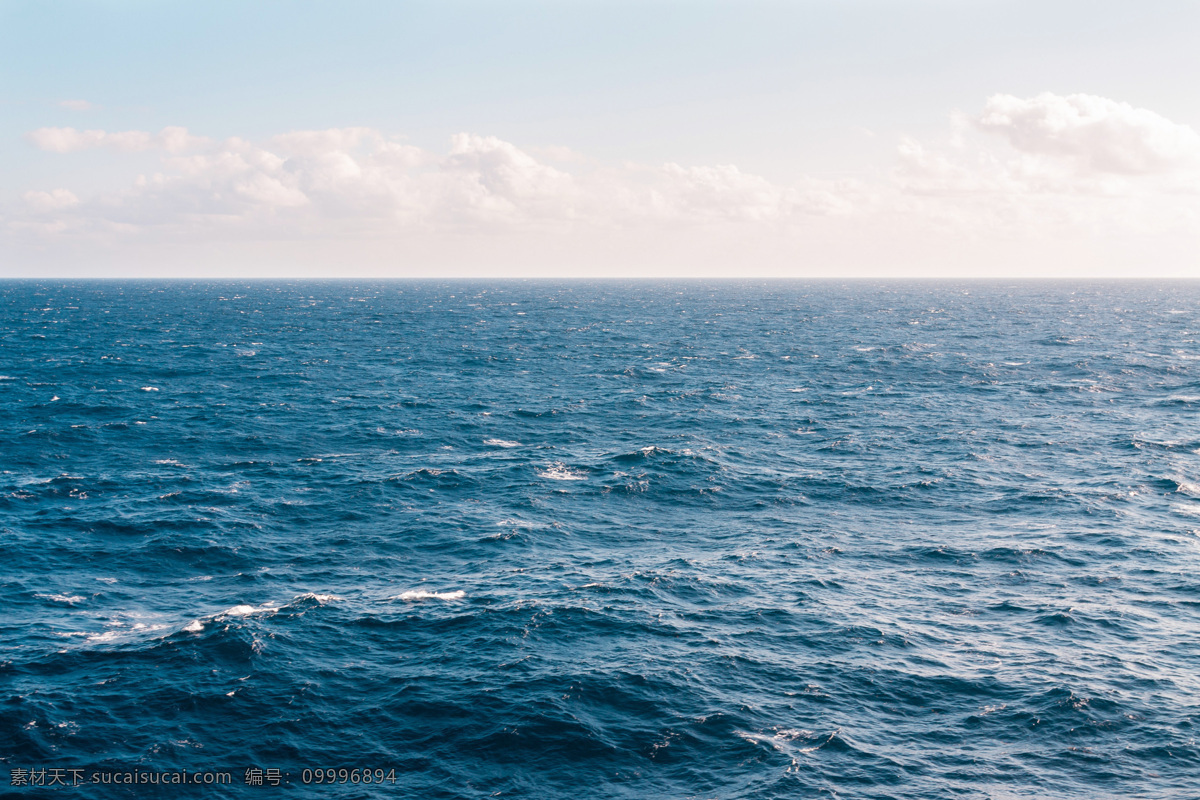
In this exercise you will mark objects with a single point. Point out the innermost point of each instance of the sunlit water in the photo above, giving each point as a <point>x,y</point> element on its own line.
<point>723,540</point>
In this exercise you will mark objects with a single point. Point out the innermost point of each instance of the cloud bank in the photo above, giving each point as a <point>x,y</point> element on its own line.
<point>360,180</point>
<point>1022,170</point>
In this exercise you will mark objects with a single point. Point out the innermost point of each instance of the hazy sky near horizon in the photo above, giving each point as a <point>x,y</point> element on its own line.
<point>813,138</point>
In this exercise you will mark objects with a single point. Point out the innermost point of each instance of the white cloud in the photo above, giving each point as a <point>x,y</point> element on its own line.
<point>312,143</point>
<point>1099,134</point>
<point>69,140</point>
<point>1055,166</point>
<point>725,192</point>
<point>54,200</point>
<point>356,181</point>
<point>1022,171</point>
<point>64,140</point>
<point>491,180</point>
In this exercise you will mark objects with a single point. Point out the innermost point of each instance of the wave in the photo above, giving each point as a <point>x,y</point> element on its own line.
<point>245,610</point>
<point>558,471</point>
<point>413,595</point>
<point>69,599</point>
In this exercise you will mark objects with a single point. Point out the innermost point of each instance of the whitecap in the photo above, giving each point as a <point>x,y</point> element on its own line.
<point>422,594</point>
<point>320,598</point>
<point>559,471</point>
<point>520,523</point>
<point>501,443</point>
<point>63,598</point>
<point>237,611</point>
<point>118,630</point>
<point>248,610</point>
<point>149,388</point>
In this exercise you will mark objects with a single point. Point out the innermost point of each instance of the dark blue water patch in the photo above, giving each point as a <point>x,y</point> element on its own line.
<point>625,540</point>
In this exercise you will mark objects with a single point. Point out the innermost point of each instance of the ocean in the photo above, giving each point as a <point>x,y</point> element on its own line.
<point>600,539</point>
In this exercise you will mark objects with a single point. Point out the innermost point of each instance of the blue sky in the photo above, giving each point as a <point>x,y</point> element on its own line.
<point>697,138</point>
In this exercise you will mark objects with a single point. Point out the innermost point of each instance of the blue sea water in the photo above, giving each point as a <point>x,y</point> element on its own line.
<point>603,540</point>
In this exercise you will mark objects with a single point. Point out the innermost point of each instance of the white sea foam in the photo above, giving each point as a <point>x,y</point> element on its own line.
<point>501,443</point>
<point>149,388</point>
<point>63,598</point>
<point>785,740</point>
<point>422,594</point>
<point>320,598</point>
<point>237,611</point>
<point>122,630</point>
<point>559,471</point>
<point>248,610</point>
<point>520,523</point>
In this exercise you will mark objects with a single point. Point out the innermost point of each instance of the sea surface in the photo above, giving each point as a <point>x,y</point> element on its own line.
<point>601,540</point>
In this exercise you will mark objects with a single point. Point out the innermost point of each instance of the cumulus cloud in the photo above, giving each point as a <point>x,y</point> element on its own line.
<point>1042,166</point>
<point>1052,165</point>
<point>69,140</point>
<point>487,178</point>
<point>313,143</point>
<point>357,181</point>
<point>54,200</point>
<point>1099,134</point>
<point>968,171</point>
<point>725,192</point>
<point>1051,144</point>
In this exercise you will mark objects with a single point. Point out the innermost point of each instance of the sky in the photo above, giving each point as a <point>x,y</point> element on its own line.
<point>566,138</point>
